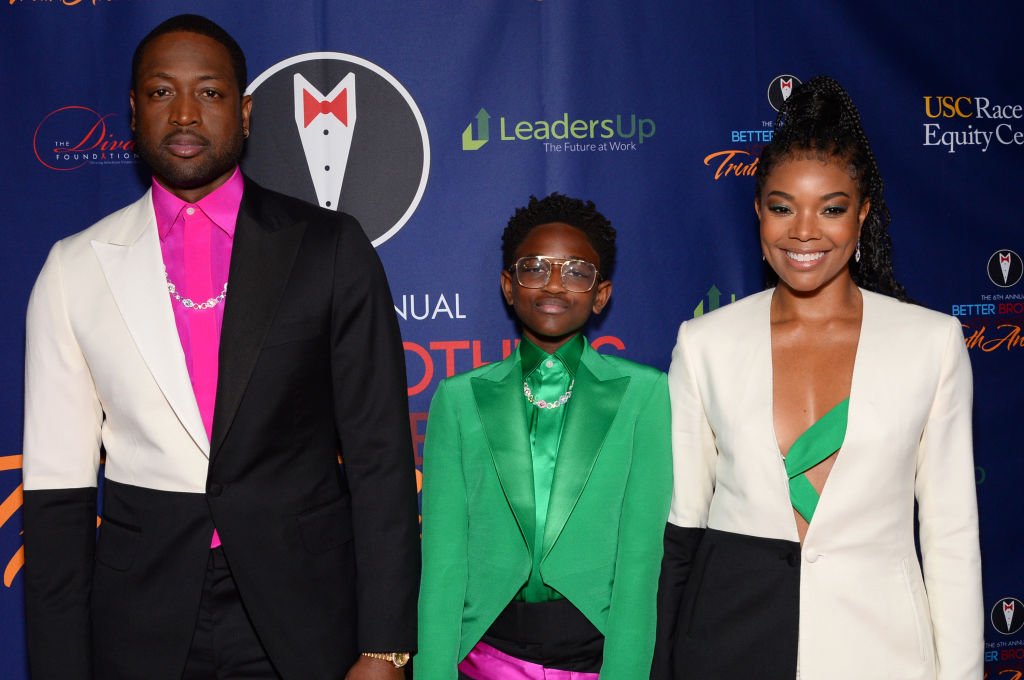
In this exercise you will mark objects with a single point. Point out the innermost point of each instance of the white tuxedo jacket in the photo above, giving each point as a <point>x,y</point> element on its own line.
<point>865,609</point>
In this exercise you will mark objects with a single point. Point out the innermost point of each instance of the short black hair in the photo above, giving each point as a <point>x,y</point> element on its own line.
<point>820,120</point>
<point>193,23</point>
<point>582,215</point>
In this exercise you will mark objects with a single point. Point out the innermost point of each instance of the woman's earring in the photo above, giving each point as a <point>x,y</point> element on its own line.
<point>856,253</point>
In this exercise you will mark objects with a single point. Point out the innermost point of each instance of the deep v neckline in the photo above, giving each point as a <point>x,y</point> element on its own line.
<point>849,401</point>
<point>821,440</point>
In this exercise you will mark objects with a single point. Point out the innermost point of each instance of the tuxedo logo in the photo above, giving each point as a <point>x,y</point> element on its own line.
<point>1005,268</point>
<point>1007,615</point>
<point>780,89</point>
<point>340,132</point>
<point>326,145</point>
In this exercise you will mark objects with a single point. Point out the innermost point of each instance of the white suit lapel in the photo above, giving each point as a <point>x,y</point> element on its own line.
<point>133,266</point>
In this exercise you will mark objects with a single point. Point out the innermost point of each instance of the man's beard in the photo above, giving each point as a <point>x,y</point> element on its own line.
<point>178,173</point>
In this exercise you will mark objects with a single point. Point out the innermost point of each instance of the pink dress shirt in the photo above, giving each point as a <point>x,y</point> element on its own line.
<point>196,240</point>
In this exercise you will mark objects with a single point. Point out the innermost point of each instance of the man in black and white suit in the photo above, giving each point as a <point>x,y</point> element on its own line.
<point>232,544</point>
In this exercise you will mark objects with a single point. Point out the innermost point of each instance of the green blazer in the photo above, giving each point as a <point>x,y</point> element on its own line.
<point>606,519</point>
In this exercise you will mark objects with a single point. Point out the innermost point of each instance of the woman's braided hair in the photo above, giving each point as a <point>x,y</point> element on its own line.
<point>819,119</point>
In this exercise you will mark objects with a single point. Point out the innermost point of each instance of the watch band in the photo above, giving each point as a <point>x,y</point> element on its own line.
<point>399,659</point>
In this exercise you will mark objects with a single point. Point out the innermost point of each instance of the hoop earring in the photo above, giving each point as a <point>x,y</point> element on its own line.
<point>856,253</point>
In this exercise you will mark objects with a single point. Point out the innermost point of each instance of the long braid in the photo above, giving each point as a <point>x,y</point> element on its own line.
<point>820,118</point>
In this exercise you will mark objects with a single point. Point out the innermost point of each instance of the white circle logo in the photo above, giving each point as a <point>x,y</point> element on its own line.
<point>340,132</point>
<point>1007,615</point>
<point>780,88</point>
<point>1005,268</point>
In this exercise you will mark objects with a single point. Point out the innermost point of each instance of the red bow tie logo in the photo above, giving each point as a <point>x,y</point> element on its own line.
<point>1004,258</point>
<point>312,107</point>
<point>1008,607</point>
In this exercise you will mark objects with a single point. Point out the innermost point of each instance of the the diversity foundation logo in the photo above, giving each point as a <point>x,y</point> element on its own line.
<point>74,136</point>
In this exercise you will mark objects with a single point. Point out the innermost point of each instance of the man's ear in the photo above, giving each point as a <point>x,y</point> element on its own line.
<point>506,287</point>
<point>602,296</point>
<point>246,112</point>
<point>131,103</point>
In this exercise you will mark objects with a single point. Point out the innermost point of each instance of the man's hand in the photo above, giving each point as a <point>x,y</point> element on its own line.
<point>368,668</point>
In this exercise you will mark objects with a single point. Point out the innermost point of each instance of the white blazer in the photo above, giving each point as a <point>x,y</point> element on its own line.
<point>865,610</point>
<point>101,328</point>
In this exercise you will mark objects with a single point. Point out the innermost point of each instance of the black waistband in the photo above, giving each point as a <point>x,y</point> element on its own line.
<point>553,634</point>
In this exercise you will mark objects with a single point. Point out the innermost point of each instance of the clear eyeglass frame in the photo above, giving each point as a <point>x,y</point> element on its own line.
<point>534,271</point>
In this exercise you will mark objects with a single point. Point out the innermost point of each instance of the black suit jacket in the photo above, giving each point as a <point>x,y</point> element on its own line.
<point>326,558</point>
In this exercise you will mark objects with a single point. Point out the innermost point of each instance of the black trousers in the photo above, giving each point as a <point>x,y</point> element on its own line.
<point>225,645</point>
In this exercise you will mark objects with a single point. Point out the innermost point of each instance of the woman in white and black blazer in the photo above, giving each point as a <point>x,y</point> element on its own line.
<point>830,377</point>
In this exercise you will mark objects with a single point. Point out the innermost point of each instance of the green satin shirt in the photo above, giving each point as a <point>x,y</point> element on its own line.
<point>549,376</point>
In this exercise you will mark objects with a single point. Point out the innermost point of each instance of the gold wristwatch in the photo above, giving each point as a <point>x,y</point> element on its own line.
<point>397,658</point>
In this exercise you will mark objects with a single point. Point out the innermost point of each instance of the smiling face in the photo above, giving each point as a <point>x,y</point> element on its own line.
<point>188,113</point>
<point>551,315</point>
<point>811,212</point>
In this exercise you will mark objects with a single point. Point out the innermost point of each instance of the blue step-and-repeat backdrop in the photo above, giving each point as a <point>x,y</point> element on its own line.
<point>458,110</point>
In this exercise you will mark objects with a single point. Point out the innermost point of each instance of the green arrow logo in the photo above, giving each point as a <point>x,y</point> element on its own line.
<point>471,143</point>
<point>714,297</point>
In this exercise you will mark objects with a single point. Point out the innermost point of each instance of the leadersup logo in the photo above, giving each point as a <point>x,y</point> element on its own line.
<point>714,300</point>
<point>564,134</point>
<point>990,123</point>
<point>740,159</point>
<point>73,136</point>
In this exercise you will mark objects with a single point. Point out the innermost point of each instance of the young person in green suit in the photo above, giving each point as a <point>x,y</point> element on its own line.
<point>547,480</point>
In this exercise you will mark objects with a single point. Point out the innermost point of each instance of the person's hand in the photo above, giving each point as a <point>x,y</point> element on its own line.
<point>368,668</point>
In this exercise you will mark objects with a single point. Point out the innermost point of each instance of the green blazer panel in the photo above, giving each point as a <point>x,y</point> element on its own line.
<point>609,502</point>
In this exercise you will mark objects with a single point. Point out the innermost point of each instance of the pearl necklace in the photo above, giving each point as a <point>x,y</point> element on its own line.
<point>540,403</point>
<point>188,303</point>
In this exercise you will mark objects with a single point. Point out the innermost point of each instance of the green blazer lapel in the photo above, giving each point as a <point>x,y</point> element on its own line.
<point>499,401</point>
<point>596,397</point>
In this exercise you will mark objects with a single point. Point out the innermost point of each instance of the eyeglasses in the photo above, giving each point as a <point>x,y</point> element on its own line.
<point>578,276</point>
